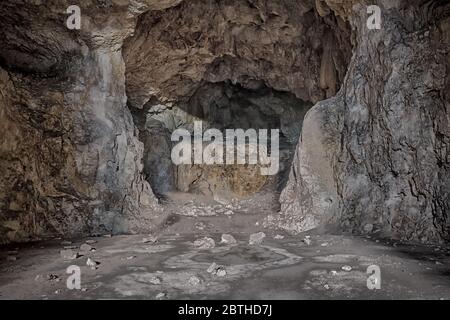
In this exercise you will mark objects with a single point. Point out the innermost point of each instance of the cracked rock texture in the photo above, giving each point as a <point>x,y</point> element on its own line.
<point>70,160</point>
<point>375,158</point>
<point>374,150</point>
<point>285,44</point>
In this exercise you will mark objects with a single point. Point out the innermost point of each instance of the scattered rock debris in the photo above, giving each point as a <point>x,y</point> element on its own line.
<point>256,238</point>
<point>200,226</point>
<point>161,296</point>
<point>228,239</point>
<point>150,239</point>
<point>92,263</point>
<point>69,254</point>
<point>86,247</point>
<point>217,270</point>
<point>307,240</point>
<point>347,268</point>
<point>155,280</point>
<point>194,281</point>
<point>205,243</point>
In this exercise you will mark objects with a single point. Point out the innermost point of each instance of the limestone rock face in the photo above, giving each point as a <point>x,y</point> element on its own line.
<point>284,44</point>
<point>70,160</point>
<point>378,152</point>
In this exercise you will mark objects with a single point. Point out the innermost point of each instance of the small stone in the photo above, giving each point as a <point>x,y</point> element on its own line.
<point>334,272</point>
<point>217,270</point>
<point>130,257</point>
<point>307,240</point>
<point>256,238</point>
<point>200,226</point>
<point>84,289</point>
<point>278,237</point>
<point>228,213</point>
<point>212,267</point>
<point>90,241</point>
<point>85,247</point>
<point>66,243</point>
<point>57,291</point>
<point>228,239</point>
<point>69,254</point>
<point>155,280</point>
<point>92,263</point>
<point>368,228</point>
<point>347,268</point>
<point>325,244</point>
<point>161,296</point>
<point>150,239</point>
<point>205,243</point>
<point>194,281</point>
<point>221,272</point>
<point>326,286</point>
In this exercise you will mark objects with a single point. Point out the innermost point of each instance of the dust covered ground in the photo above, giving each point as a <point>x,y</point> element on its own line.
<point>309,266</point>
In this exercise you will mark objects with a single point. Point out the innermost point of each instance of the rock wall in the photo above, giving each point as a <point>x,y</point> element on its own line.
<point>220,106</point>
<point>285,45</point>
<point>70,160</point>
<point>375,158</point>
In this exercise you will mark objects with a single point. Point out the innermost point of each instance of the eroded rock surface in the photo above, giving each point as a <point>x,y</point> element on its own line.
<point>70,159</point>
<point>284,44</point>
<point>378,152</point>
<point>373,157</point>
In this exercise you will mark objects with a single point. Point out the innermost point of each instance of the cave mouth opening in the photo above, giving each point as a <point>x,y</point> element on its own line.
<point>231,65</point>
<point>221,105</point>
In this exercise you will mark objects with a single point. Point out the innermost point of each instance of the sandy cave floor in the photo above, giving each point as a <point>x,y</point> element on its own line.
<point>173,268</point>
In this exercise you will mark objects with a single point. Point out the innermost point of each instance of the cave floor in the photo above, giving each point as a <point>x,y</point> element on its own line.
<point>288,268</point>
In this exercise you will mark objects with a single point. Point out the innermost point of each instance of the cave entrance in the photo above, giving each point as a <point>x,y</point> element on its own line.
<point>221,106</point>
<point>231,65</point>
